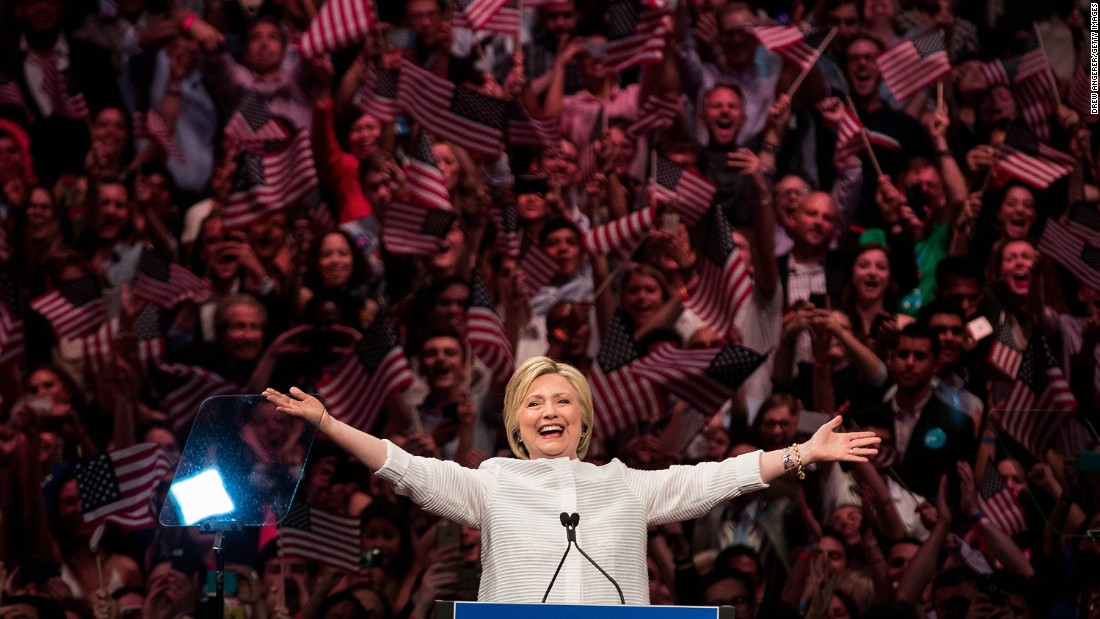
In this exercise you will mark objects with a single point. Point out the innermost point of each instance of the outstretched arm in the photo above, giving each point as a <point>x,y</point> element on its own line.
<point>368,449</point>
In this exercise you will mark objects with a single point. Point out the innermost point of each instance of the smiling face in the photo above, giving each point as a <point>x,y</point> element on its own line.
<point>860,68</point>
<point>110,130</point>
<point>871,274</point>
<point>723,115</point>
<point>642,295</point>
<point>442,362</point>
<point>950,328</point>
<point>335,260</point>
<point>1018,267</point>
<point>550,423</point>
<point>114,212</point>
<point>363,136</point>
<point>815,222</point>
<point>1017,212</point>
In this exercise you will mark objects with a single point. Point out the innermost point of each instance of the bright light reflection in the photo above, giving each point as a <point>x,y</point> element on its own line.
<point>202,496</point>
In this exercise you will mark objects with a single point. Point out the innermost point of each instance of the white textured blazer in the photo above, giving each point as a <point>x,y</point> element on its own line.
<point>517,504</point>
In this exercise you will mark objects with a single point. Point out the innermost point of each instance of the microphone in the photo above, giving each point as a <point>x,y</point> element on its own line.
<point>570,522</point>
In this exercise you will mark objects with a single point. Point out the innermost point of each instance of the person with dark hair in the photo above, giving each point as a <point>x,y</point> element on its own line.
<point>960,281</point>
<point>930,434</point>
<point>730,587</point>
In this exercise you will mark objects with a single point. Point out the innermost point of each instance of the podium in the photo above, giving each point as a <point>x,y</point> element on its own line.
<point>487,610</point>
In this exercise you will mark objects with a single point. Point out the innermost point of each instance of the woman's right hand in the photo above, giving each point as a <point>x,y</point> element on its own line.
<point>297,403</point>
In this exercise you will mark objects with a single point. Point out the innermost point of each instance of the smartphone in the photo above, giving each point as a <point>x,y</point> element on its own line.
<point>1088,462</point>
<point>400,38</point>
<point>818,300</point>
<point>670,222</point>
<point>229,584</point>
<point>370,557</point>
<point>979,328</point>
<point>914,195</point>
<point>448,533</point>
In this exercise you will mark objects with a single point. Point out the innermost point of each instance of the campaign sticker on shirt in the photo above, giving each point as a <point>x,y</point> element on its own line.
<point>935,438</point>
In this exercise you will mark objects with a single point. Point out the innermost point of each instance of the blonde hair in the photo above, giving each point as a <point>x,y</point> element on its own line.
<point>520,384</point>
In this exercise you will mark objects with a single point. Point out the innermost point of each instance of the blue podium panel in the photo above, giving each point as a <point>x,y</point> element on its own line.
<point>480,610</point>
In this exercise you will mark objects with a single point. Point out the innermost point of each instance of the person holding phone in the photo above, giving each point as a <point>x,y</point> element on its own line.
<point>549,421</point>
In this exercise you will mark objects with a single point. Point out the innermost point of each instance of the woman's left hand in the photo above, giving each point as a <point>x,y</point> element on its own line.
<point>826,445</point>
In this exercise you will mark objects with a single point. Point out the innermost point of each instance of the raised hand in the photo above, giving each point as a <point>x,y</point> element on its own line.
<point>827,445</point>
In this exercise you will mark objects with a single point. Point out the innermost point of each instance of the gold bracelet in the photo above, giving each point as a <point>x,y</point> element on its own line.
<point>798,459</point>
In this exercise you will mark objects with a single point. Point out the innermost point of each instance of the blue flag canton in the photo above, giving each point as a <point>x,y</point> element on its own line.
<point>479,293</point>
<point>929,43</point>
<point>479,108</point>
<point>715,232</point>
<point>437,222</point>
<point>82,291</point>
<point>622,19</point>
<point>152,265</point>
<point>617,348</point>
<point>297,518</point>
<point>733,364</point>
<point>97,483</point>
<point>377,342</point>
<point>422,151</point>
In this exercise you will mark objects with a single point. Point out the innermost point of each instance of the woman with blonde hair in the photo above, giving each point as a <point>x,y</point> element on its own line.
<point>516,503</point>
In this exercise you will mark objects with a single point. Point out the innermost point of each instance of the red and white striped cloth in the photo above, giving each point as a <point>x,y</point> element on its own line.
<point>119,487</point>
<point>453,112</point>
<point>622,235</point>
<point>338,24</point>
<point>911,64</point>
<point>313,534</point>
<point>281,177</point>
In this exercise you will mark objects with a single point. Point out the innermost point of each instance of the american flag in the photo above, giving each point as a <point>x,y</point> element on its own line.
<point>411,229</point>
<point>165,283</point>
<point>848,139</point>
<point>724,282</point>
<point>1078,256</point>
<point>791,43</point>
<point>279,177</point>
<point>621,398</point>
<point>183,388</point>
<point>621,236</point>
<point>119,487</point>
<point>1039,402</point>
<point>1083,219</point>
<point>689,193</point>
<point>913,64</point>
<point>1023,157</point>
<point>523,130</point>
<point>423,177</point>
<point>655,112</point>
<point>75,308</point>
<point>455,113</point>
<point>537,266</point>
<point>485,331</point>
<point>339,24</point>
<point>99,348</point>
<point>1003,353</point>
<point>635,33</point>
<point>506,220</point>
<point>11,327</point>
<point>252,125</point>
<point>310,533</point>
<point>704,378</point>
<point>1032,82</point>
<point>587,163</point>
<point>500,16</point>
<point>998,504</point>
<point>378,95</point>
<point>359,384</point>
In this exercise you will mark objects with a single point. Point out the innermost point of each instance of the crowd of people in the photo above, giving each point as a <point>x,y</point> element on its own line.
<point>194,202</point>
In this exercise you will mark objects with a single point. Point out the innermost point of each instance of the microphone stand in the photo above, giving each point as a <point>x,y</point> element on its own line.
<point>570,522</point>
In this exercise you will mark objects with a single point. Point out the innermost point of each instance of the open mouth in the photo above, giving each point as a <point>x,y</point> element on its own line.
<point>552,431</point>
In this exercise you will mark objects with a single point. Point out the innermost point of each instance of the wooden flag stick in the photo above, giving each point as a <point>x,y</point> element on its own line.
<point>866,140</point>
<point>817,54</point>
<point>610,278</point>
<point>1050,69</point>
<point>939,94</point>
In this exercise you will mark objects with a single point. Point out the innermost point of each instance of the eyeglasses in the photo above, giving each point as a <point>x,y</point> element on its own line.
<point>734,601</point>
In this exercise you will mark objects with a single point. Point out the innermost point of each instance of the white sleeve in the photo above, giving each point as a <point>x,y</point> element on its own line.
<point>441,487</point>
<point>686,492</point>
